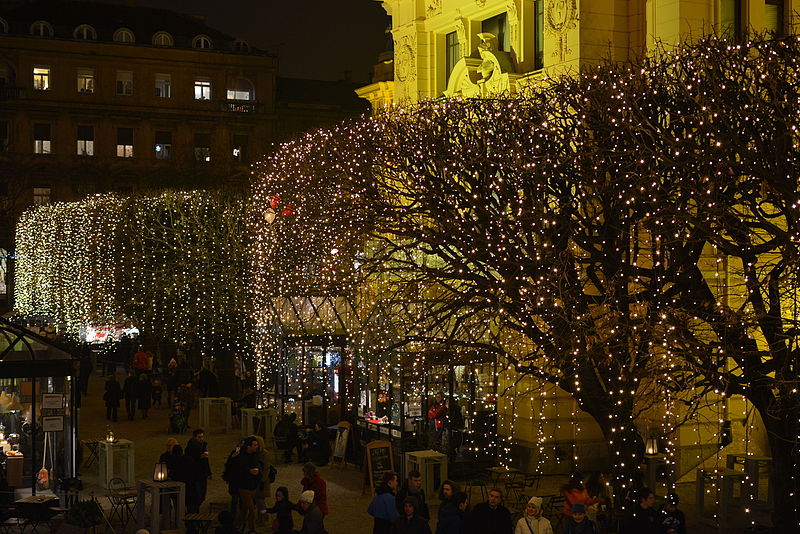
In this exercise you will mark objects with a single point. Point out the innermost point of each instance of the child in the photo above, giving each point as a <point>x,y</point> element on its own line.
<point>284,523</point>
<point>578,523</point>
<point>672,520</point>
<point>157,390</point>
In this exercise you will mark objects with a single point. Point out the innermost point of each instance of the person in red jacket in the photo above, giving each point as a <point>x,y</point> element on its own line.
<point>312,481</point>
<point>574,492</point>
<point>140,361</point>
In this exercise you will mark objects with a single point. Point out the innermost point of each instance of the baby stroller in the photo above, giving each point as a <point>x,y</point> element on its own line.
<point>177,420</point>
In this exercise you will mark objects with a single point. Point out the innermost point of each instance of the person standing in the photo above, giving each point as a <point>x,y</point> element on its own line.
<point>314,482</point>
<point>672,520</point>
<point>197,452</point>
<point>313,518</point>
<point>112,397</point>
<point>643,519</point>
<point>247,472</point>
<point>264,487</point>
<point>410,522</point>
<point>140,361</point>
<point>129,391</point>
<point>491,517</point>
<point>575,492</point>
<point>284,522</point>
<point>578,523</point>
<point>451,515</point>
<point>383,508</point>
<point>412,487</point>
<point>144,394</point>
<point>532,521</point>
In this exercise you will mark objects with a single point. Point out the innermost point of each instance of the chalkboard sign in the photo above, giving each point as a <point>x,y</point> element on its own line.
<point>378,460</point>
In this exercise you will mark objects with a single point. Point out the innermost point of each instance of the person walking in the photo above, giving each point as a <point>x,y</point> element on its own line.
<point>383,508</point>
<point>129,392</point>
<point>112,397</point>
<point>412,487</point>
<point>284,522</point>
<point>532,521</point>
<point>313,518</point>
<point>575,492</point>
<point>144,394</point>
<point>491,517</point>
<point>451,515</point>
<point>314,482</point>
<point>197,452</point>
<point>247,473</point>
<point>140,361</point>
<point>410,522</point>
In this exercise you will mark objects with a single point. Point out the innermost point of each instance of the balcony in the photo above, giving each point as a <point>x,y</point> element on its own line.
<point>241,106</point>
<point>10,93</point>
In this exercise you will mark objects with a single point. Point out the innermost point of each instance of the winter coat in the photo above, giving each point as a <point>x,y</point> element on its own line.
<point>144,394</point>
<point>194,451</point>
<point>451,520</point>
<point>283,510</point>
<point>242,478</point>
<point>488,521</point>
<point>312,521</point>
<point>642,521</point>
<point>113,394</point>
<point>320,489</point>
<point>383,510</point>
<point>533,525</point>
<point>576,495</point>
<point>129,387</point>
<point>420,496</point>
<point>584,527</point>
<point>412,525</point>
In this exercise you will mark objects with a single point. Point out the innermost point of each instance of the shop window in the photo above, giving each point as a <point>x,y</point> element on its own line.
<point>41,28</point>
<point>85,33</point>
<point>240,148</point>
<point>202,42</point>
<point>41,139</point>
<point>163,85</point>
<point>498,26</point>
<point>452,52</point>
<point>124,142</point>
<point>241,89</point>
<point>4,136</point>
<point>202,147</point>
<point>163,145</point>
<point>124,35</point>
<point>538,34</point>
<point>86,80</point>
<point>773,17</point>
<point>202,89</point>
<point>41,196</point>
<point>86,140</point>
<point>163,39</point>
<point>124,83</point>
<point>41,77</point>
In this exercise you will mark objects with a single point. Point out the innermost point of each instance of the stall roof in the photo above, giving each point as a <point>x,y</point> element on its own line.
<point>24,353</point>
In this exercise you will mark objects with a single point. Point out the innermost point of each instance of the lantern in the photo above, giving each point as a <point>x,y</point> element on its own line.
<point>110,436</point>
<point>651,446</point>
<point>160,472</point>
<point>270,215</point>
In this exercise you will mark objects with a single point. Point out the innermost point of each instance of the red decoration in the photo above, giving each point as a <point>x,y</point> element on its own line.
<point>274,200</point>
<point>288,209</point>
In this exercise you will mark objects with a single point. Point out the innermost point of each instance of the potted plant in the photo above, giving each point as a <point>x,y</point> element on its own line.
<point>83,517</point>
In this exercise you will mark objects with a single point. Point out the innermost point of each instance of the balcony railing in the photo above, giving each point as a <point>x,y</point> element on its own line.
<point>241,106</point>
<point>10,93</point>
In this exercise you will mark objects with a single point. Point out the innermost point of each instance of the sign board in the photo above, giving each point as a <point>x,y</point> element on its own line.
<point>53,423</point>
<point>378,461</point>
<point>342,438</point>
<point>54,401</point>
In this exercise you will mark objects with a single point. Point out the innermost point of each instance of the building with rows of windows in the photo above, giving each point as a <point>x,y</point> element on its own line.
<point>485,47</point>
<point>97,97</point>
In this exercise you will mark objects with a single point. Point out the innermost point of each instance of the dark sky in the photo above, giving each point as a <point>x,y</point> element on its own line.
<point>312,38</point>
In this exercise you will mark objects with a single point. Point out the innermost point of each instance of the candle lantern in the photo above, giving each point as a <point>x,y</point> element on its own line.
<point>110,436</point>
<point>160,472</point>
<point>651,446</point>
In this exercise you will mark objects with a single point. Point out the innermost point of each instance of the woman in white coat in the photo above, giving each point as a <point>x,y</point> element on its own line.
<point>533,522</point>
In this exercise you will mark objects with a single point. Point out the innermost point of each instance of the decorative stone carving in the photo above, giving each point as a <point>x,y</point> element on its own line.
<point>461,34</point>
<point>433,8</point>
<point>561,17</point>
<point>405,66</point>
<point>513,23</point>
<point>480,3</point>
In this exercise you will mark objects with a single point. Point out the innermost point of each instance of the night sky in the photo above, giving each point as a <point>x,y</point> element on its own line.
<point>312,38</point>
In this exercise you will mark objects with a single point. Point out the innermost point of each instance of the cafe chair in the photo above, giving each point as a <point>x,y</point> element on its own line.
<point>122,500</point>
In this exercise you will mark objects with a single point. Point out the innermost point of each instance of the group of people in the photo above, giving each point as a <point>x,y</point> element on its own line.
<point>312,444</point>
<point>403,509</point>
<point>139,392</point>
<point>190,466</point>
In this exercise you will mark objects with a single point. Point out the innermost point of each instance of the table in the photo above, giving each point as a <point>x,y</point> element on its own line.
<point>200,522</point>
<point>496,474</point>
<point>35,510</point>
<point>91,446</point>
<point>116,461</point>
<point>161,493</point>
<point>752,468</point>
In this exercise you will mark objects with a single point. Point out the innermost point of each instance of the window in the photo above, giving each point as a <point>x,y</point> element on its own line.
<point>3,136</point>
<point>163,82</point>
<point>202,147</point>
<point>241,89</point>
<point>86,80</point>
<point>41,139</point>
<point>41,195</point>
<point>163,145</point>
<point>240,148</point>
<point>41,28</point>
<point>124,142</point>
<point>202,89</point>
<point>41,78</point>
<point>3,25</point>
<point>124,82</point>
<point>124,35</point>
<point>85,32</point>
<point>773,17</point>
<point>163,39</point>
<point>86,140</point>
<point>730,19</point>
<point>241,46</point>
<point>452,52</point>
<point>202,41</point>
<point>538,34</point>
<point>497,26</point>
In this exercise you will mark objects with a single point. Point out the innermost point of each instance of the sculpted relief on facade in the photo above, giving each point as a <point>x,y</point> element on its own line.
<point>405,66</point>
<point>561,17</point>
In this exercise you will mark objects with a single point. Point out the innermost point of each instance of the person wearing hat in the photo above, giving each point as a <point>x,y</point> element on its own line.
<point>672,520</point>
<point>533,522</point>
<point>314,482</point>
<point>312,515</point>
<point>578,523</point>
<point>410,522</point>
<point>643,519</point>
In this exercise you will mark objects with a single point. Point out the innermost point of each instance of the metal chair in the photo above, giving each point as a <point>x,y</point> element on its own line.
<point>123,501</point>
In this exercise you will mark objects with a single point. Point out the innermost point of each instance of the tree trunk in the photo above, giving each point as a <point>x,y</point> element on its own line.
<point>784,476</point>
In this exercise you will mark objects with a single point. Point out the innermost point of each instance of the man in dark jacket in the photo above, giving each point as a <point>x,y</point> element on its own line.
<point>643,519</point>
<point>412,487</point>
<point>312,515</point>
<point>197,452</point>
<point>112,397</point>
<point>451,515</point>
<point>410,522</point>
<point>129,391</point>
<point>247,474</point>
<point>491,517</point>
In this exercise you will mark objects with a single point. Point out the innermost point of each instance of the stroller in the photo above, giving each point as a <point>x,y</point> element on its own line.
<point>177,420</point>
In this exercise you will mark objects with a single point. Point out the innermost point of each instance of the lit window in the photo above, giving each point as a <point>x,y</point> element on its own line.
<point>498,27</point>
<point>202,89</point>
<point>241,89</point>
<point>3,136</point>
<point>86,80</point>
<point>41,139</point>
<point>85,32</point>
<point>41,196</point>
<point>773,17</point>
<point>202,147</point>
<point>538,34</point>
<point>163,83</point>
<point>124,142</point>
<point>240,148</point>
<point>202,41</point>
<point>124,35</point>
<point>162,39</point>
<point>124,82</point>
<point>163,145</point>
<point>41,78</point>
<point>86,140</point>
<point>41,28</point>
<point>452,52</point>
